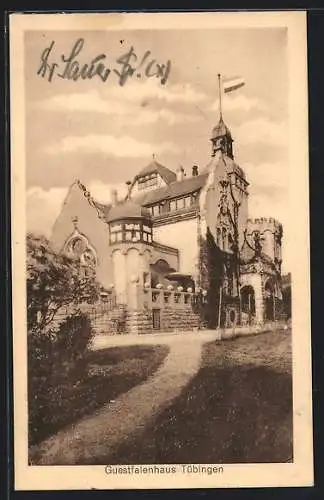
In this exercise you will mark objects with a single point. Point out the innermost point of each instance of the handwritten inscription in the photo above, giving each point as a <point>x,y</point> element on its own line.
<point>71,68</point>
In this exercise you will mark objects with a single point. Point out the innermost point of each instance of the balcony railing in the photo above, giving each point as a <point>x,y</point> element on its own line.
<point>161,298</point>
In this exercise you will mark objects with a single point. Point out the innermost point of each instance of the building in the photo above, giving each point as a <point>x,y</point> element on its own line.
<point>179,246</point>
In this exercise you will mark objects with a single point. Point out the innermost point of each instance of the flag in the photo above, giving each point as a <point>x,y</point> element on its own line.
<point>234,83</point>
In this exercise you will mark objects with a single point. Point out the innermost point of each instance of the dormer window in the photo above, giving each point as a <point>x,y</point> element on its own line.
<point>147,181</point>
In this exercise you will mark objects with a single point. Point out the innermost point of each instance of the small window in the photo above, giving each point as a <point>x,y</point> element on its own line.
<point>218,237</point>
<point>119,236</point>
<point>113,237</point>
<point>128,236</point>
<point>187,201</point>
<point>156,210</point>
<point>173,205</point>
<point>224,239</point>
<point>180,203</point>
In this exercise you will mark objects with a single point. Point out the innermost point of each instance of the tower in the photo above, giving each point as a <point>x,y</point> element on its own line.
<point>221,135</point>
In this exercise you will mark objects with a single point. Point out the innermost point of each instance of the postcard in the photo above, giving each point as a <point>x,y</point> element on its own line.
<point>160,250</point>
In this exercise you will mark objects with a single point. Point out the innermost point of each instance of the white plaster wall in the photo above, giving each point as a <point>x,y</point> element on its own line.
<point>182,235</point>
<point>119,271</point>
<point>132,264</point>
<point>145,264</point>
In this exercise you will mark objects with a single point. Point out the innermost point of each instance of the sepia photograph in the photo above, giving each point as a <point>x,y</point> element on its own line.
<point>160,250</point>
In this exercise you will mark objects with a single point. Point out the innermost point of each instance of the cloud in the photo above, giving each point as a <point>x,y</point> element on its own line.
<point>102,192</point>
<point>240,102</point>
<point>82,101</point>
<point>270,175</point>
<point>152,116</point>
<point>261,130</point>
<point>136,91</point>
<point>115,104</point>
<point>120,147</point>
<point>44,205</point>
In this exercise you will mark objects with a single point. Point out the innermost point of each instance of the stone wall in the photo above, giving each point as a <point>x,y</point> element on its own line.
<point>104,321</point>
<point>179,319</point>
<point>138,322</point>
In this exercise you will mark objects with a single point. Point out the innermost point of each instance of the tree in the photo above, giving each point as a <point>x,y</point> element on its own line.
<point>53,281</point>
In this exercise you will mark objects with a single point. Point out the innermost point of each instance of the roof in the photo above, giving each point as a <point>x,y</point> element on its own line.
<point>128,210</point>
<point>173,190</point>
<point>230,165</point>
<point>103,208</point>
<point>221,129</point>
<point>167,175</point>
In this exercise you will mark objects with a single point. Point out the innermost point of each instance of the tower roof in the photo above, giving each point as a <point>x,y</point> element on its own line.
<point>221,129</point>
<point>128,210</point>
<point>167,175</point>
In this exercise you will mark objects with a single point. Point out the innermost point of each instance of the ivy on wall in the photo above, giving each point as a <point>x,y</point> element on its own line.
<point>211,272</point>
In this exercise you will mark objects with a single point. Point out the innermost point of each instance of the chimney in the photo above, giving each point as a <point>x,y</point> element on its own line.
<point>194,171</point>
<point>114,197</point>
<point>180,173</point>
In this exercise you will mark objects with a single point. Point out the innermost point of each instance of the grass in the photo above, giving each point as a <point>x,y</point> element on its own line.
<point>237,409</point>
<point>111,372</point>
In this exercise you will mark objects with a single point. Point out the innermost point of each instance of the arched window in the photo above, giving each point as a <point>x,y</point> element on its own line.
<point>230,243</point>
<point>79,248</point>
<point>218,237</point>
<point>224,239</point>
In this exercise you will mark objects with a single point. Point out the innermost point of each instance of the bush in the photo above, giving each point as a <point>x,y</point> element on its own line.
<point>73,341</point>
<point>56,362</point>
<point>56,352</point>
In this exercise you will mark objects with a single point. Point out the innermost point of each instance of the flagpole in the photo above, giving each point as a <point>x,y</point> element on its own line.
<point>220,96</point>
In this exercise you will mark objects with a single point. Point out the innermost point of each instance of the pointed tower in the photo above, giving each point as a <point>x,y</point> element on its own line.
<point>221,136</point>
<point>222,139</point>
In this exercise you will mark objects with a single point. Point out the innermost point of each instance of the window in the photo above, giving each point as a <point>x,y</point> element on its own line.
<point>224,239</point>
<point>173,205</point>
<point>156,210</point>
<point>187,201</point>
<point>180,203</point>
<point>230,243</point>
<point>147,181</point>
<point>218,237</point>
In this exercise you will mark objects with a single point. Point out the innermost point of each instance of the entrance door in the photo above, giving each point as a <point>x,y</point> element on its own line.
<point>156,319</point>
<point>269,301</point>
<point>248,303</point>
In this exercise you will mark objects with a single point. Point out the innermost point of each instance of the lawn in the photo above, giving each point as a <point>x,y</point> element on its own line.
<point>110,372</point>
<point>238,408</point>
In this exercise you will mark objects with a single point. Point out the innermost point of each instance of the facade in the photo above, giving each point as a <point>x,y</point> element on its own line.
<point>180,250</point>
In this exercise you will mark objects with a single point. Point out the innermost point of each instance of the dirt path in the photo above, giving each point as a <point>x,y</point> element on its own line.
<point>98,434</point>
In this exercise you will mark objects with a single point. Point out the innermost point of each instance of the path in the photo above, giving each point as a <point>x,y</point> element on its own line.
<point>98,434</point>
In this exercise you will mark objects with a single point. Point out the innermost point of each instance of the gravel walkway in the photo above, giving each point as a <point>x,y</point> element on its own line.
<point>98,434</point>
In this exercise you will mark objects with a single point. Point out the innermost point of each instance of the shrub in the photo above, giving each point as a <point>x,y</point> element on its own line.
<point>56,352</point>
<point>56,362</point>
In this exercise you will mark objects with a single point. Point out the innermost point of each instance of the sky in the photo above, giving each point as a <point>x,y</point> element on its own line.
<point>103,133</point>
